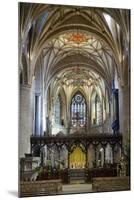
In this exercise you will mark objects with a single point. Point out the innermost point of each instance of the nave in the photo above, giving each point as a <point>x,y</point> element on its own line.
<point>74,126</point>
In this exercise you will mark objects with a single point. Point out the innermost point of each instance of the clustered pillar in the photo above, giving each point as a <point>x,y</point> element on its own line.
<point>26,118</point>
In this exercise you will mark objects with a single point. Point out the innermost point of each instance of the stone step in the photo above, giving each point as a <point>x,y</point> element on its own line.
<point>77,174</point>
<point>77,181</point>
<point>75,178</point>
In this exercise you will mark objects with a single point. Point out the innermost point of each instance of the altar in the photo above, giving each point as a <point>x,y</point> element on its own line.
<point>77,159</point>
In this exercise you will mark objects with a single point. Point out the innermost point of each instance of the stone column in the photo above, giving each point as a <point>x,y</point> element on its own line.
<point>124,113</point>
<point>68,116</point>
<point>44,113</point>
<point>26,117</point>
<point>44,118</point>
<point>88,115</point>
<point>102,106</point>
<point>37,114</point>
<point>110,117</point>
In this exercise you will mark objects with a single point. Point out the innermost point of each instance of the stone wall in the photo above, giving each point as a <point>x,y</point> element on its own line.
<point>101,128</point>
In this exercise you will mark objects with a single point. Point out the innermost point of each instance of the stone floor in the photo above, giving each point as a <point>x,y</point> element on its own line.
<point>76,188</point>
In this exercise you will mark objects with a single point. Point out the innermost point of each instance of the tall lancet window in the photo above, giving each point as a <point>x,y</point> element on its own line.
<point>78,110</point>
<point>98,111</point>
<point>58,110</point>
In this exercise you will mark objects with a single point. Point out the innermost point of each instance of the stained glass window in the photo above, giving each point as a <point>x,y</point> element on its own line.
<point>78,110</point>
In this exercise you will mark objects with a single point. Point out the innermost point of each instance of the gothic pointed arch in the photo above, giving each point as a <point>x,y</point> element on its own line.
<point>58,110</point>
<point>78,90</point>
<point>63,106</point>
<point>96,109</point>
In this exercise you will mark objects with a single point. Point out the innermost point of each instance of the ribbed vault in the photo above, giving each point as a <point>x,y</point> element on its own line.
<point>73,50</point>
<point>45,32</point>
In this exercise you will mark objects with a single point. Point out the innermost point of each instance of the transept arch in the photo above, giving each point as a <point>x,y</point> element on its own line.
<point>96,106</point>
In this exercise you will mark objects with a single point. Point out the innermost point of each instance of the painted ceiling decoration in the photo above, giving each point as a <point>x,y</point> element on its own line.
<point>77,38</point>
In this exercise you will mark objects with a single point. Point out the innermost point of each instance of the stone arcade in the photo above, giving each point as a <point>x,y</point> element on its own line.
<point>74,65</point>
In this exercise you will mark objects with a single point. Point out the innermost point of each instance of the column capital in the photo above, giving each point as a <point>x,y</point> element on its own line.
<point>121,82</point>
<point>25,86</point>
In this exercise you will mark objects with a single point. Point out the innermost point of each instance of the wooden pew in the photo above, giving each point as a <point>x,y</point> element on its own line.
<point>107,184</point>
<point>38,188</point>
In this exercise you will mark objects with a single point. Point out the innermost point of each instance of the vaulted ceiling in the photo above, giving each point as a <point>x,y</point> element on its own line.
<point>74,43</point>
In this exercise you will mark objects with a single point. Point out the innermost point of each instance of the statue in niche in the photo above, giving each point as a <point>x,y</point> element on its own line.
<point>99,163</point>
<point>121,167</point>
<point>47,125</point>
